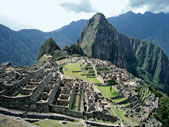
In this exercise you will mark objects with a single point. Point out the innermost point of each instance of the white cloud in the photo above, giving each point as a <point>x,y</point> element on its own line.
<point>150,5</point>
<point>50,15</point>
<point>83,6</point>
<point>45,15</point>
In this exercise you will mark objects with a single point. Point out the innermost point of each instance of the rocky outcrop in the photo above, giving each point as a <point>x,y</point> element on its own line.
<point>48,47</point>
<point>100,40</point>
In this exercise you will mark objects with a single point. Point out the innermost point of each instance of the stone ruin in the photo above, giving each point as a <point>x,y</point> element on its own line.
<point>44,89</point>
<point>126,86</point>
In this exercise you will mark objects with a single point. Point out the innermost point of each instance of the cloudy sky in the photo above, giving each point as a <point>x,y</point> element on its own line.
<point>48,15</point>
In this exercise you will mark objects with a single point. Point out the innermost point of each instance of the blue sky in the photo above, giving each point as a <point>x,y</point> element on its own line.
<point>48,15</point>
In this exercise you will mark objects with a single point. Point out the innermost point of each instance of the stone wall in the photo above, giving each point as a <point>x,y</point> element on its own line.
<point>34,115</point>
<point>65,111</point>
<point>20,103</point>
<point>53,93</point>
<point>40,107</point>
<point>5,74</point>
<point>15,88</point>
<point>44,106</point>
<point>3,92</point>
<point>100,115</point>
<point>36,74</point>
<point>39,89</point>
<point>24,102</point>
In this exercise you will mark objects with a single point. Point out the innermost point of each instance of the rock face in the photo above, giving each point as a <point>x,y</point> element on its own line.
<point>48,47</point>
<point>100,40</point>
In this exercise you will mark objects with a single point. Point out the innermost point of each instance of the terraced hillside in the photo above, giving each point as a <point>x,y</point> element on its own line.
<point>125,99</point>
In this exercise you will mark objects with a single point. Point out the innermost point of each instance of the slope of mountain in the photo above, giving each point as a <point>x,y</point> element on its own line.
<point>13,49</point>
<point>147,26</point>
<point>100,40</point>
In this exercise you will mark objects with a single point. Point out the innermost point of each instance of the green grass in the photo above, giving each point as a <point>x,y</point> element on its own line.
<point>58,54</point>
<point>111,112</point>
<point>75,102</point>
<point>102,69</point>
<point>55,123</point>
<point>105,90</point>
<point>121,114</point>
<point>118,100</point>
<point>21,95</point>
<point>47,123</point>
<point>82,103</point>
<point>73,70</point>
<point>41,62</point>
<point>105,122</point>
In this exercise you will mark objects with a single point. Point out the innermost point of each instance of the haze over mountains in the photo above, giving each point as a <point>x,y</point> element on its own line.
<point>21,47</point>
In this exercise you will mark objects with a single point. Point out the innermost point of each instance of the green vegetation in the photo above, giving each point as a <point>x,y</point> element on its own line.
<point>58,54</point>
<point>73,70</point>
<point>75,102</point>
<point>21,95</point>
<point>55,123</point>
<point>82,102</point>
<point>101,69</point>
<point>162,114</point>
<point>111,82</point>
<point>74,49</point>
<point>41,61</point>
<point>143,93</point>
<point>151,65</point>
<point>103,121</point>
<point>107,92</point>
<point>121,114</point>
<point>118,100</point>
<point>111,112</point>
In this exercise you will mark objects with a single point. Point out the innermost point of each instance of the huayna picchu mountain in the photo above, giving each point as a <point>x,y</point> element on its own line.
<point>99,39</point>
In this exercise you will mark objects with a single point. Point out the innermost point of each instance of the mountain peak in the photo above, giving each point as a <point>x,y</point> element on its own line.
<point>98,18</point>
<point>97,33</point>
<point>47,47</point>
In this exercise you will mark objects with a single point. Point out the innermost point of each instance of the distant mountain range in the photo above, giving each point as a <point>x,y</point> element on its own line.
<point>21,47</point>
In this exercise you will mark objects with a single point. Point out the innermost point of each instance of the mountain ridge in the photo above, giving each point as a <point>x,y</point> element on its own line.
<point>30,40</point>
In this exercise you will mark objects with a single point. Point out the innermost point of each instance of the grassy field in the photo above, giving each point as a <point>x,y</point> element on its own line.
<point>106,92</point>
<point>118,100</point>
<point>111,112</point>
<point>121,114</point>
<point>55,123</point>
<point>75,102</point>
<point>21,95</point>
<point>73,70</point>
